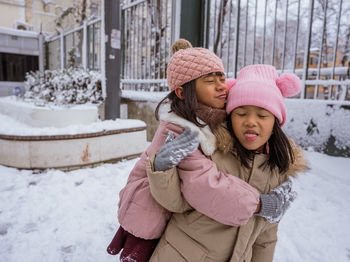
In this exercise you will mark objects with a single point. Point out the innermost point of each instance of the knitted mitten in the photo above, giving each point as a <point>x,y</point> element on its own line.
<point>276,202</point>
<point>175,149</point>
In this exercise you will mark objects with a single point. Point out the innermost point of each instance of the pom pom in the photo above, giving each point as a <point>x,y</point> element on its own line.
<point>180,44</point>
<point>289,84</point>
<point>230,82</point>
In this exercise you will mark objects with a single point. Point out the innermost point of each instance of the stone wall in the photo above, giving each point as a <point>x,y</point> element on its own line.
<point>143,110</point>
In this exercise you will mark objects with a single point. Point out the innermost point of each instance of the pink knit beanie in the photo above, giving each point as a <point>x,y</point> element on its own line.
<point>259,85</point>
<point>191,63</point>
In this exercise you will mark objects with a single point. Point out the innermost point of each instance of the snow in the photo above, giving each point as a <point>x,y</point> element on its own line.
<point>144,95</point>
<point>16,32</point>
<point>72,216</point>
<point>314,127</point>
<point>10,126</point>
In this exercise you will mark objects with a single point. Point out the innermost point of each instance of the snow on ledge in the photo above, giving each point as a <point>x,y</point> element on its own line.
<point>143,95</point>
<point>10,126</point>
<point>16,32</point>
<point>47,116</point>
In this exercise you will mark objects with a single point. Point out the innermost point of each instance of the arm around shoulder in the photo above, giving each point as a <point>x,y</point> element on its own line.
<point>165,187</point>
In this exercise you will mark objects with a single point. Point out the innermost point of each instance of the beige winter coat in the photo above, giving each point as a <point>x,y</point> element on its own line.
<point>192,236</point>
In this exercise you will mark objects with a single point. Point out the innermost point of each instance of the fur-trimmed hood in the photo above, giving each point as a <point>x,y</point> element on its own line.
<point>206,137</point>
<point>299,164</point>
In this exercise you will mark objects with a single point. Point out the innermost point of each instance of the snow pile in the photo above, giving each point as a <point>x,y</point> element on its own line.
<point>72,216</point>
<point>11,126</point>
<point>60,87</point>
<point>318,125</point>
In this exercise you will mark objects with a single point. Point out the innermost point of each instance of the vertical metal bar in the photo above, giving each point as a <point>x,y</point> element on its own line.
<point>336,50</point>
<point>127,47</point>
<point>336,40</point>
<point>84,47</point>
<point>62,50</point>
<point>152,42</point>
<point>103,52</point>
<point>159,37</point>
<point>245,34</point>
<point>41,42</point>
<point>274,34</point>
<point>139,40</point>
<point>123,42</point>
<point>175,20</point>
<point>134,47</point>
<point>254,37</point>
<point>169,29</point>
<point>229,42</point>
<point>307,48</point>
<point>164,24</point>
<point>143,55</point>
<point>221,26</point>
<point>285,37</point>
<point>264,33</point>
<point>149,39</point>
<point>206,27</point>
<point>296,38</point>
<point>235,55</point>
<point>93,46</point>
<point>215,26</point>
<point>128,32</point>
<point>321,50</point>
<point>134,44</point>
<point>153,32</point>
<point>136,36</point>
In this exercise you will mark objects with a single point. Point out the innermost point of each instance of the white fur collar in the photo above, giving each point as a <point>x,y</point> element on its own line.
<point>206,137</point>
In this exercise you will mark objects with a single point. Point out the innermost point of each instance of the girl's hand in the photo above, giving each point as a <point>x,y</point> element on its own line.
<point>276,202</point>
<point>174,150</point>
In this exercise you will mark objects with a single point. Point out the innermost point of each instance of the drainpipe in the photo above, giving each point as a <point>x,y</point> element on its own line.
<point>192,23</point>
<point>112,57</point>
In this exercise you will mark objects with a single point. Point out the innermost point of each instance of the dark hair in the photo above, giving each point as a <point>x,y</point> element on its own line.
<point>280,149</point>
<point>186,107</point>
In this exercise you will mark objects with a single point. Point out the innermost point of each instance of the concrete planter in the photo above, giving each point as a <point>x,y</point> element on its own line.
<point>53,116</point>
<point>71,151</point>
<point>65,138</point>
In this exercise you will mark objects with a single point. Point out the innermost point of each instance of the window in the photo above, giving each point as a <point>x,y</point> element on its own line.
<point>313,60</point>
<point>13,67</point>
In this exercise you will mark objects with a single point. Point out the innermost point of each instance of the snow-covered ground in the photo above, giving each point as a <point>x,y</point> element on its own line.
<point>71,216</point>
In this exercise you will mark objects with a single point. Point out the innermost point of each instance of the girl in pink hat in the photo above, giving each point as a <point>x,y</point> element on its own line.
<point>261,155</point>
<point>194,113</point>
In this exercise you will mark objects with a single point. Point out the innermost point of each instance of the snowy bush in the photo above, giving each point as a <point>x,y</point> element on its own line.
<point>62,87</point>
<point>319,126</point>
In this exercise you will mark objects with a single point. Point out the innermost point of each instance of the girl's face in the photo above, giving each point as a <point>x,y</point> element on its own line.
<point>211,90</point>
<point>252,126</point>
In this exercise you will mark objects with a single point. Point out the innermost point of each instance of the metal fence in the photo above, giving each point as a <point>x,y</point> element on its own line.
<point>308,37</point>
<point>146,37</point>
<point>79,47</point>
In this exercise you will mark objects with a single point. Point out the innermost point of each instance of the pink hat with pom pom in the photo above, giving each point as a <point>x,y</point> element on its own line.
<point>259,85</point>
<point>191,63</point>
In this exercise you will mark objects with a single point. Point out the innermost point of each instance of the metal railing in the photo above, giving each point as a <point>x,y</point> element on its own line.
<point>146,38</point>
<point>310,38</point>
<point>80,47</point>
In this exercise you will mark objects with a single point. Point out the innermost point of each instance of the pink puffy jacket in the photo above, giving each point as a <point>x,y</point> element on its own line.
<point>224,198</point>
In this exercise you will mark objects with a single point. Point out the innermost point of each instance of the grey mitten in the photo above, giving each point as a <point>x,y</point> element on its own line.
<point>276,202</point>
<point>174,150</point>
